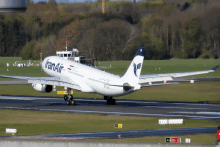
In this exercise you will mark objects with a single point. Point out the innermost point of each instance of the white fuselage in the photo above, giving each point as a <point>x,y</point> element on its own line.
<point>90,79</point>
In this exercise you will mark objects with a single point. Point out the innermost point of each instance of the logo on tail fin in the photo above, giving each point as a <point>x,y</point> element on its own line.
<point>136,68</point>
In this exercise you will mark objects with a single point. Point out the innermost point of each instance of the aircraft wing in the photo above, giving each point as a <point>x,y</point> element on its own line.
<point>56,81</point>
<point>169,76</point>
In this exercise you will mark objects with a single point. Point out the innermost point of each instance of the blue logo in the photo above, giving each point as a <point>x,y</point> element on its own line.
<point>53,66</point>
<point>136,68</point>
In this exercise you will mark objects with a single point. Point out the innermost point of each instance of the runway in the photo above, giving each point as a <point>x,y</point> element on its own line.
<point>172,109</point>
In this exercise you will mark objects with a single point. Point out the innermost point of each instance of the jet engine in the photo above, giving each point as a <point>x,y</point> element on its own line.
<point>42,87</point>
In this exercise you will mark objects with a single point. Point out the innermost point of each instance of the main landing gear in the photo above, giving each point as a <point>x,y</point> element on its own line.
<point>69,98</point>
<point>110,100</point>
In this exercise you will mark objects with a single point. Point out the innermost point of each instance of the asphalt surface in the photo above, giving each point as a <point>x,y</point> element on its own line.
<point>210,111</point>
<point>128,134</point>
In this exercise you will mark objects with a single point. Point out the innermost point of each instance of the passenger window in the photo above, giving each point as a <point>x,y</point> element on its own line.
<point>61,55</point>
<point>65,55</point>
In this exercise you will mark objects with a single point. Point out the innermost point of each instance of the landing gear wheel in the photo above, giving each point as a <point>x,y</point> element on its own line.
<point>108,101</point>
<point>65,97</point>
<point>73,102</point>
<point>112,102</point>
<point>68,102</point>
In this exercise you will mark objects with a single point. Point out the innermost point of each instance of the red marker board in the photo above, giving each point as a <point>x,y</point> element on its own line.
<point>173,139</point>
<point>218,133</point>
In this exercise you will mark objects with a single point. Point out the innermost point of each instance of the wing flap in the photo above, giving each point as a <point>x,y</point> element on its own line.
<point>14,77</point>
<point>154,79</point>
<point>158,84</point>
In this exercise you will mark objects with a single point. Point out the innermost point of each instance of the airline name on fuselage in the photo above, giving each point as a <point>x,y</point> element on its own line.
<point>53,66</point>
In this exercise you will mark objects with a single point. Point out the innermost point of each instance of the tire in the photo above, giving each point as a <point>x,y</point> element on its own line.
<point>68,102</point>
<point>72,102</point>
<point>108,101</point>
<point>112,101</point>
<point>71,97</point>
<point>65,97</point>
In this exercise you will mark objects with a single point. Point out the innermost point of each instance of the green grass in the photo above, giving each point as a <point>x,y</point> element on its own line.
<point>39,122</point>
<point>197,92</point>
<point>198,139</point>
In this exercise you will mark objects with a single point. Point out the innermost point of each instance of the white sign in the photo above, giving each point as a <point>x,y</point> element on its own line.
<point>191,81</point>
<point>187,140</point>
<point>11,130</point>
<point>170,121</point>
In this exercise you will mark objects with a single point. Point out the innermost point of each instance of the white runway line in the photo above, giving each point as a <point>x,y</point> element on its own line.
<point>113,113</point>
<point>100,100</point>
<point>173,107</point>
<point>25,98</point>
<point>207,113</point>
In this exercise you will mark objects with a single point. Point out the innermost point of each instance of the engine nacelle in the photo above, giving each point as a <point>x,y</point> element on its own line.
<point>42,87</point>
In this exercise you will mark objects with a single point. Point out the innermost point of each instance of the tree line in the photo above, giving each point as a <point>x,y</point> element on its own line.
<point>163,28</point>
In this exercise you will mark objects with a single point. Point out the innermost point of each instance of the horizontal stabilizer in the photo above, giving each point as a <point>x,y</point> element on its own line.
<point>158,84</point>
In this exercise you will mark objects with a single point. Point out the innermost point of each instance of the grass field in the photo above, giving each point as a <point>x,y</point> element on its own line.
<point>195,139</point>
<point>39,122</point>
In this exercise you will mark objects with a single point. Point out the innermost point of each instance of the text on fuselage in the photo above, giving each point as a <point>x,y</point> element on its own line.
<point>53,66</point>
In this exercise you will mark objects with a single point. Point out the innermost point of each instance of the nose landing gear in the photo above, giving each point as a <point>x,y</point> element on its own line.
<point>69,98</point>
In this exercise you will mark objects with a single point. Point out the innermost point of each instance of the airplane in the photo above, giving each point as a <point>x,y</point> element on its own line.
<point>74,75</point>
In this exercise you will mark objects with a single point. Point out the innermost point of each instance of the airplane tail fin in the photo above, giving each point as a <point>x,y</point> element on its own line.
<point>134,70</point>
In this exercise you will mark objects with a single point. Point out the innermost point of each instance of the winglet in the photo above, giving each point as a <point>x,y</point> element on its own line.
<point>214,68</point>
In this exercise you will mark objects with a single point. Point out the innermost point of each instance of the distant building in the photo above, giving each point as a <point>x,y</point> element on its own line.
<point>73,55</point>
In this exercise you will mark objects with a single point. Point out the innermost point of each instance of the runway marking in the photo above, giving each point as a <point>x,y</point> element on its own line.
<point>113,113</point>
<point>24,98</point>
<point>207,113</point>
<point>118,101</point>
<point>173,107</point>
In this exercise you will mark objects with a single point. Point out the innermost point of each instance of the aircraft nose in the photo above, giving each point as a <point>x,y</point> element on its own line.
<point>43,62</point>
